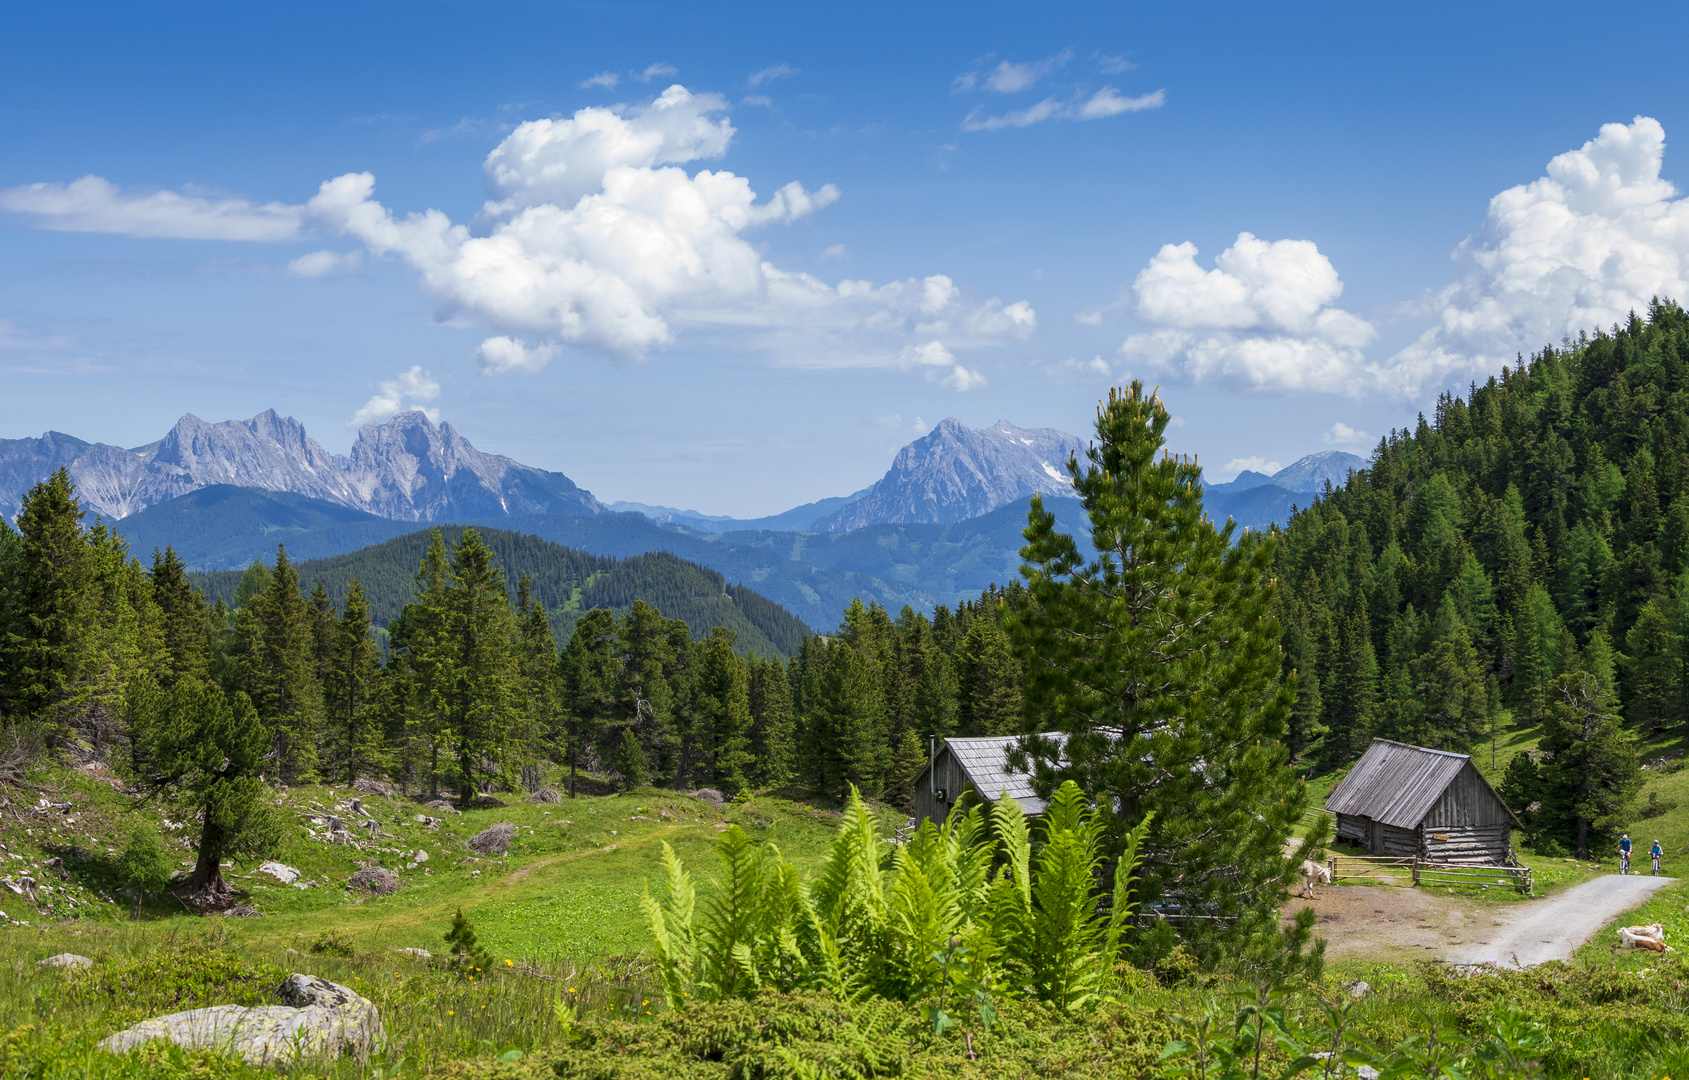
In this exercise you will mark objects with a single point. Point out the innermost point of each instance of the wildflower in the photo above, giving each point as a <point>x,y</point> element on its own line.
<point>451,1012</point>
<point>509,963</point>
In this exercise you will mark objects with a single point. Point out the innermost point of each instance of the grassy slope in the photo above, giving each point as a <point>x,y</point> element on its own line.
<point>569,886</point>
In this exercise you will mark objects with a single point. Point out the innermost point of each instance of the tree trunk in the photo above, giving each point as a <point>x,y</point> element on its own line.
<point>207,877</point>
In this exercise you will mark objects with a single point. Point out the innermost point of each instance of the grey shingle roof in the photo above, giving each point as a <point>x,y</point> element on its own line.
<point>1395,783</point>
<point>986,761</point>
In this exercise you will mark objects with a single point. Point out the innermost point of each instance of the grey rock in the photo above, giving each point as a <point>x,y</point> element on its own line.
<point>546,795</point>
<point>419,856</point>
<point>709,795</point>
<point>374,879</point>
<point>955,472</point>
<point>282,872</point>
<point>407,469</point>
<point>373,787</point>
<point>493,841</point>
<point>419,954</point>
<point>65,960</point>
<point>316,1018</point>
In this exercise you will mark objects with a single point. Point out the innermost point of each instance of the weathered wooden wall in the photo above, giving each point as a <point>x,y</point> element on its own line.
<point>1466,801</point>
<point>947,775</point>
<point>1352,828</point>
<point>1482,844</point>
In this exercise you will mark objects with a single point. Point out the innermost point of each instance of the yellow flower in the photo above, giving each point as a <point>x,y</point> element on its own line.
<point>451,1012</point>
<point>509,963</point>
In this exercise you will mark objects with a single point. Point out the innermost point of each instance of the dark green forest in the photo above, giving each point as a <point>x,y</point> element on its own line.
<point>563,581</point>
<point>1519,558</point>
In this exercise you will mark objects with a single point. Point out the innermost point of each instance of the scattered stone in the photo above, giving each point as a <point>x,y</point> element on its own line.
<point>282,872</point>
<point>1358,989</point>
<point>65,960</point>
<point>493,841</point>
<point>373,787</point>
<point>546,795</point>
<point>709,795</point>
<point>374,879</point>
<point>243,911</point>
<point>316,1018</point>
<point>442,804</point>
<point>419,856</point>
<point>420,954</point>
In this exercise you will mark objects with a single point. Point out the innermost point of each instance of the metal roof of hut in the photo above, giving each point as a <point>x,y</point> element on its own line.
<point>985,759</point>
<point>1398,784</point>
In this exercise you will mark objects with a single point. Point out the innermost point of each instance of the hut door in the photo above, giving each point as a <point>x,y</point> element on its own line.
<point>1374,836</point>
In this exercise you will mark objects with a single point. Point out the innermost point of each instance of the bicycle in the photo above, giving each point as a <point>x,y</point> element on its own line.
<point>1656,866</point>
<point>1624,863</point>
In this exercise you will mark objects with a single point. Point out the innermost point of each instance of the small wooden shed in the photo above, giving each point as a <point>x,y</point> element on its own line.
<point>979,764</point>
<point>1406,800</point>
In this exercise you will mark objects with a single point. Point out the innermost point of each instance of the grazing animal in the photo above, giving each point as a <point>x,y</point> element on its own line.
<point>1313,873</point>
<point>1651,938</point>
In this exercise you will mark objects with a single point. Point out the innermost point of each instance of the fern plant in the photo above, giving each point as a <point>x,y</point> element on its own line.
<point>963,909</point>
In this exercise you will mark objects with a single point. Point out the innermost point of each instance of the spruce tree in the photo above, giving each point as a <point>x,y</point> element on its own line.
<point>1159,663</point>
<point>591,674</point>
<point>1590,770</point>
<point>480,686</point>
<point>850,725</point>
<point>773,729</point>
<point>53,666</point>
<point>278,670</point>
<point>537,673</point>
<point>722,705</point>
<point>186,615</point>
<point>353,689</point>
<point>989,682</point>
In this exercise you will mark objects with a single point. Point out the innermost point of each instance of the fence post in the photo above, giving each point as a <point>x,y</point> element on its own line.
<point>1331,866</point>
<point>1416,870</point>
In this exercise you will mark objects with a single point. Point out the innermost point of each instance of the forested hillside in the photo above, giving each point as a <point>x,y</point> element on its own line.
<point>563,581</point>
<point>1534,531</point>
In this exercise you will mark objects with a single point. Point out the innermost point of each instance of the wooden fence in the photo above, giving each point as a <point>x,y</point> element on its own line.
<point>1419,871</point>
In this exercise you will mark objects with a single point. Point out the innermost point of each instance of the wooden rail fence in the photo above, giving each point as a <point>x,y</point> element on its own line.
<point>1424,872</point>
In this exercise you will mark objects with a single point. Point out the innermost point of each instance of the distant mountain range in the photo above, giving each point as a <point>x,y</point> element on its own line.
<point>942,523</point>
<point>406,469</point>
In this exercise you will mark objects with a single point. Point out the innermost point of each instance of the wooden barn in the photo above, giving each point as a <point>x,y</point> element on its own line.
<point>980,764</point>
<point>1406,800</point>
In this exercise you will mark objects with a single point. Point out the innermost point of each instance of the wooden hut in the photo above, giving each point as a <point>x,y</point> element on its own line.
<point>1406,800</point>
<point>977,764</point>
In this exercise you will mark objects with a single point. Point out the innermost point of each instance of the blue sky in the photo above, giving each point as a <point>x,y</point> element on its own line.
<point>991,215</point>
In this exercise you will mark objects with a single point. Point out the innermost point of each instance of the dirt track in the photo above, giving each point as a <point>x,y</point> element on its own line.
<point>1389,923</point>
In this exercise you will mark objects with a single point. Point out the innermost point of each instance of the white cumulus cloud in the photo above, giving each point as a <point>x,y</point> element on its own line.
<point>1342,434</point>
<point>595,238</point>
<point>1578,249</point>
<point>94,204</point>
<point>1262,318</point>
<point>399,395</point>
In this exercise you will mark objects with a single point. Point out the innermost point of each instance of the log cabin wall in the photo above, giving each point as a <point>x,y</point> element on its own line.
<point>936,793</point>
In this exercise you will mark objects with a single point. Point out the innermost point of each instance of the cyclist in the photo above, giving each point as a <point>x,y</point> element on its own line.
<point>1656,853</point>
<point>1624,854</point>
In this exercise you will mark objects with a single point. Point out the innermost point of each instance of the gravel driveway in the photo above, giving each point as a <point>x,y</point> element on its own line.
<point>1556,926</point>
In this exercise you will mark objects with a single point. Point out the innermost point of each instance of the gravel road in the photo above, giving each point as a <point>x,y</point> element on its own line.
<point>1556,926</point>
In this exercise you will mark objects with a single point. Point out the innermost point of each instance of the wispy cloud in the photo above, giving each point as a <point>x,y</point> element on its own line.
<point>1342,434</point>
<point>657,71</point>
<point>1104,103</point>
<point>773,71</point>
<point>95,204</point>
<point>323,263</point>
<point>606,79</point>
<point>1112,65</point>
<point>1011,78</point>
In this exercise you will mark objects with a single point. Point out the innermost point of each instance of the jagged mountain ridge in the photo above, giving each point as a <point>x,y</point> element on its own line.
<point>955,472</point>
<point>407,469</point>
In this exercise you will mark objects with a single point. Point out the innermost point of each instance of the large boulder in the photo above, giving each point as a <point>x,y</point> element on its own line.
<point>316,1018</point>
<point>65,960</point>
<point>546,795</point>
<point>282,872</point>
<point>374,879</point>
<point>709,795</point>
<point>493,841</point>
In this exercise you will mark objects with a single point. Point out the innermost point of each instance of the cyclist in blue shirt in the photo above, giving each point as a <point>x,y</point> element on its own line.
<point>1624,854</point>
<point>1656,854</point>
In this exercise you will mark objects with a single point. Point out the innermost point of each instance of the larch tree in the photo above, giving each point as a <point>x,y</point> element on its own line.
<point>1158,663</point>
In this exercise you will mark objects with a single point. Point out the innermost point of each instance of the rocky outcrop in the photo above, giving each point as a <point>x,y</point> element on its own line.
<point>493,841</point>
<point>374,879</point>
<point>954,473</point>
<point>65,960</point>
<point>316,1018</point>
